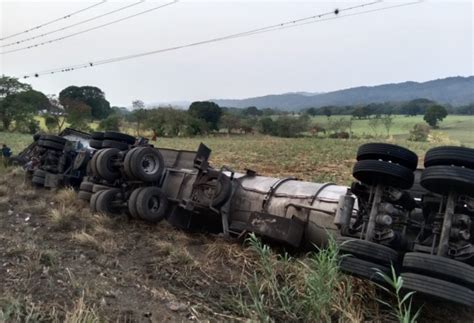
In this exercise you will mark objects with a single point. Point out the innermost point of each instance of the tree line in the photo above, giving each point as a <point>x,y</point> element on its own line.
<point>78,106</point>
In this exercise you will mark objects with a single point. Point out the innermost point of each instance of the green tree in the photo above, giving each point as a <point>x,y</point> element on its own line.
<point>327,111</point>
<point>9,88</point>
<point>387,121</point>
<point>78,114</point>
<point>416,107</point>
<point>252,111</point>
<point>230,122</point>
<point>111,123</point>
<point>210,112</point>
<point>435,114</point>
<point>91,96</point>
<point>139,114</point>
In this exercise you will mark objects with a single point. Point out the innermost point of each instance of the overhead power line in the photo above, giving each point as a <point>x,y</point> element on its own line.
<point>65,28</point>
<point>52,21</point>
<point>336,14</point>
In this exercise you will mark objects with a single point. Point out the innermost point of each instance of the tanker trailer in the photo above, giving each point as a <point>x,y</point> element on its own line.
<point>369,219</point>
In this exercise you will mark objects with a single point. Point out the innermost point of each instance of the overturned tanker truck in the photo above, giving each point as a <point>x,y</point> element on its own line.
<point>417,220</point>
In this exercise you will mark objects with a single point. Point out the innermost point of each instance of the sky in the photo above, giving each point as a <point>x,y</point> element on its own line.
<point>429,40</point>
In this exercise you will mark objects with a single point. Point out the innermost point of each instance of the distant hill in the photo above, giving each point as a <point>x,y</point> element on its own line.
<point>452,90</point>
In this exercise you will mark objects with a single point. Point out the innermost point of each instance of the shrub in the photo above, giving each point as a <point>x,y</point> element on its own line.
<point>419,132</point>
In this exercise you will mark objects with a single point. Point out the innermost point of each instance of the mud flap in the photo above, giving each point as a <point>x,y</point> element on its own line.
<point>285,230</point>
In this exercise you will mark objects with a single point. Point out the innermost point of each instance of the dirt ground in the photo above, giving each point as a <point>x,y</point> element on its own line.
<point>59,262</point>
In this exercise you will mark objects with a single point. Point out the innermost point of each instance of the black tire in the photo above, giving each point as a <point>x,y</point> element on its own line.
<point>38,181</point>
<point>97,135</point>
<point>445,179</point>
<point>363,269</point>
<point>439,267</point>
<point>56,139</point>
<point>93,163</point>
<point>36,136</point>
<point>81,160</point>
<point>223,188</point>
<point>104,164</point>
<point>86,186</point>
<point>97,188</point>
<point>146,164</point>
<point>95,143</point>
<point>118,136</point>
<point>93,201</point>
<point>450,155</point>
<point>50,145</point>
<point>127,163</point>
<point>132,202</point>
<point>114,144</point>
<point>438,288</point>
<point>84,195</point>
<point>374,172</point>
<point>389,153</point>
<point>39,173</point>
<point>368,250</point>
<point>151,204</point>
<point>103,204</point>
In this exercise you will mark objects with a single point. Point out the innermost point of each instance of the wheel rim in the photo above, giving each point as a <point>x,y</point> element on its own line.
<point>154,204</point>
<point>150,165</point>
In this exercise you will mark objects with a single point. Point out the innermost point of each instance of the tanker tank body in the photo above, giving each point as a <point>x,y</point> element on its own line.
<point>288,210</point>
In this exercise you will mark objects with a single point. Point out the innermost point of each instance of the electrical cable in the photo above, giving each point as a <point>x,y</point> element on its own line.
<point>53,21</point>
<point>69,26</point>
<point>284,25</point>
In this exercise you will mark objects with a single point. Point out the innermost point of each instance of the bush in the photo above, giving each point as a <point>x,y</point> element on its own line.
<point>419,132</point>
<point>112,122</point>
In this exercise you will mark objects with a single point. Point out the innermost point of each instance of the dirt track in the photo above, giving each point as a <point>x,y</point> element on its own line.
<point>59,262</point>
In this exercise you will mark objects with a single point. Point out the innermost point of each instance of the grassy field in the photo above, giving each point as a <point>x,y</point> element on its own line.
<point>459,129</point>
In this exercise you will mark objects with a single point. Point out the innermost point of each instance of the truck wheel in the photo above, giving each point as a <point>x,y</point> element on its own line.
<point>81,160</point>
<point>367,250</point>
<point>37,181</point>
<point>39,173</point>
<point>450,155</point>
<point>210,187</point>
<point>127,163</point>
<point>114,144</point>
<point>97,135</point>
<point>151,204</point>
<point>104,164</point>
<point>93,163</point>
<point>438,288</point>
<point>93,201</point>
<point>50,145</point>
<point>118,136</point>
<point>84,195</point>
<point>388,153</point>
<point>95,143</point>
<point>132,202</point>
<point>439,267</point>
<point>363,269</point>
<point>445,179</point>
<point>86,186</point>
<point>56,139</point>
<point>374,172</point>
<point>104,201</point>
<point>97,188</point>
<point>146,164</point>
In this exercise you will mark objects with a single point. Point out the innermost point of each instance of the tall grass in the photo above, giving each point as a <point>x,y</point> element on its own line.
<point>286,289</point>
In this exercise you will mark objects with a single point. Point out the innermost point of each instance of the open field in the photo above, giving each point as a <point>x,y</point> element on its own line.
<point>457,128</point>
<point>62,263</point>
